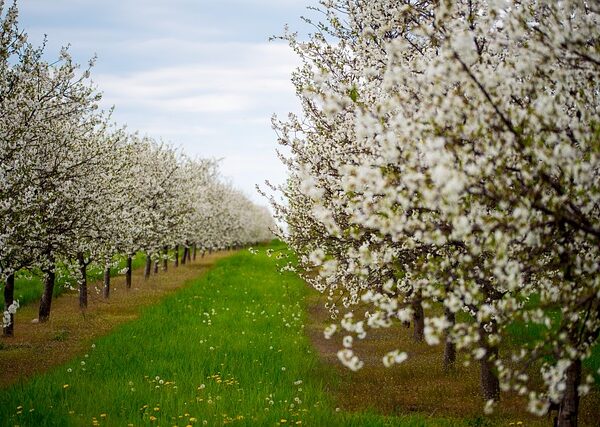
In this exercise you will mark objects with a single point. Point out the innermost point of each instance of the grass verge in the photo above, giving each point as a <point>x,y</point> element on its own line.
<point>230,347</point>
<point>29,286</point>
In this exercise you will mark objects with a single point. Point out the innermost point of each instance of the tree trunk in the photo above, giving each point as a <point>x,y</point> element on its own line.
<point>9,297</point>
<point>148,266</point>
<point>189,254</point>
<point>418,318</point>
<point>128,272</point>
<point>449,347</point>
<point>194,256</point>
<point>106,289</point>
<point>569,405</point>
<point>490,386</point>
<point>46,301</point>
<point>156,262</point>
<point>184,257</point>
<point>176,255</point>
<point>83,290</point>
<point>166,259</point>
<point>203,254</point>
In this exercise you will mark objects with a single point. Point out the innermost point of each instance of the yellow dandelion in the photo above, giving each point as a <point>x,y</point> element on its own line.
<point>156,409</point>
<point>66,386</point>
<point>283,421</point>
<point>102,415</point>
<point>152,418</point>
<point>193,420</point>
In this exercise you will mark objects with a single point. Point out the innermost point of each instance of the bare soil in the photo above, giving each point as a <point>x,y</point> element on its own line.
<point>420,384</point>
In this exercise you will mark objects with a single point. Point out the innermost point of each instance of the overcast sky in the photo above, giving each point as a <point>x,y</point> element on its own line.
<point>200,74</point>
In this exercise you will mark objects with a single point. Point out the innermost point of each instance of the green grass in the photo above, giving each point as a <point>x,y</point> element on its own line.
<point>29,285</point>
<point>227,348</point>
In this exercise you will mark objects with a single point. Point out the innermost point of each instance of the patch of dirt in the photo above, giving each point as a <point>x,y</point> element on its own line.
<point>37,347</point>
<point>419,384</point>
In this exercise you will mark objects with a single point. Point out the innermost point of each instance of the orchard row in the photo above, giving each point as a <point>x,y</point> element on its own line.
<point>446,172</point>
<point>76,188</point>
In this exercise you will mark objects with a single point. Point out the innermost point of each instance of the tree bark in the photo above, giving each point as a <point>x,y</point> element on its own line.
<point>128,272</point>
<point>194,256</point>
<point>185,254</point>
<point>106,289</point>
<point>490,386</point>
<point>176,255</point>
<point>418,318</point>
<point>46,301</point>
<point>449,347</point>
<point>156,261</point>
<point>83,290</point>
<point>166,259</point>
<point>9,298</point>
<point>148,266</point>
<point>569,405</point>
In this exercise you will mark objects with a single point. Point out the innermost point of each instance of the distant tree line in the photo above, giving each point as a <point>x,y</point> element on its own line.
<point>76,188</point>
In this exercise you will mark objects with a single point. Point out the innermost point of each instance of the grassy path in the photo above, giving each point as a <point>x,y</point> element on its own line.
<point>37,347</point>
<point>229,347</point>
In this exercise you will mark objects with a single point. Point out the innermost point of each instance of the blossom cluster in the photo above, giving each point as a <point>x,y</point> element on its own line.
<point>448,161</point>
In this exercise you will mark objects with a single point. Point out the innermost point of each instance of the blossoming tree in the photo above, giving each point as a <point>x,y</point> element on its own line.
<point>449,156</point>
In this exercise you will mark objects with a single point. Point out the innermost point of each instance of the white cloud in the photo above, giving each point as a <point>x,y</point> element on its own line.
<point>197,73</point>
<point>259,80</point>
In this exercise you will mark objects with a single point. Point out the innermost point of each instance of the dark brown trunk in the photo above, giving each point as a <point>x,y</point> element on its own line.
<point>185,254</point>
<point>46,301</point>
<point>83,290</point>
<point>9,298</point>
<point>148,266</point>
<point>490,386</point>
<point>449,347</point>
<point>128,272</point>
<point>176,255</point>
<point>203,254</point>
<point>166,259</point>
<point>106,289</point>
<point>418,318</point>
<point>189,254</point>
<point>194,256</point>
<point>569,405</point>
